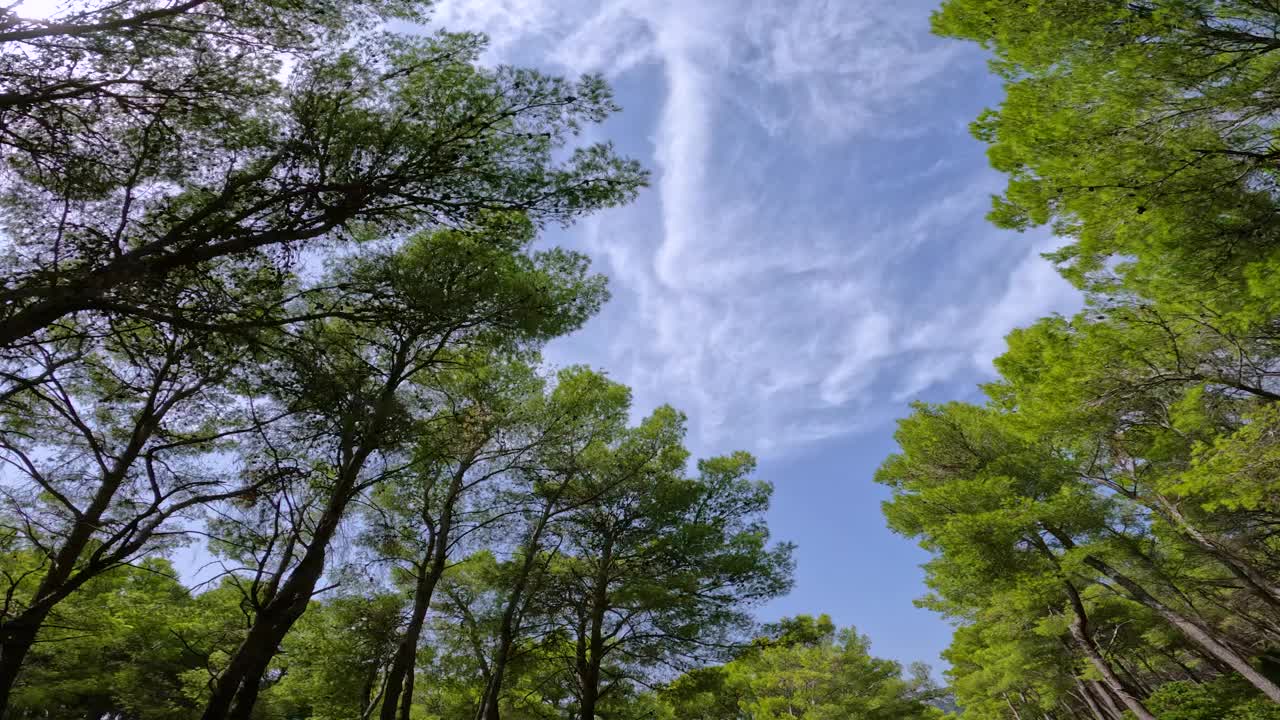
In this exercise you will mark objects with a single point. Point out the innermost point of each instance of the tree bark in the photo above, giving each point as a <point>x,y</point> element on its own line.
<point>1193,630</point>
<point>509,625</point>
<point>399,695</point>
<point>1080,632</point>
<point>236,690</point>
<point>1107,699</point>
<point>590,680</point>
<point>1090,702</point>
<point>12,654</point>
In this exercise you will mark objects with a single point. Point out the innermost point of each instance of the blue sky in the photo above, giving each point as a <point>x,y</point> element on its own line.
<point>811,257</point>
<point>812,254</point>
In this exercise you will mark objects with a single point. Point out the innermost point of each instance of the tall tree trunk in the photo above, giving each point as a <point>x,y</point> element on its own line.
<point>509,625</point>
<point>1084,639</point>
<point>236,689</point>
<point>1199,634</point>
<point>366,691</point>
<point>399,695</point>
<point>1110,703</point>
<point>406,699</point>
<point>590,680</point>
<point>1172,655</point>
<point>590,692</point>
<point>1194,631</point>
<point>1134,681</point>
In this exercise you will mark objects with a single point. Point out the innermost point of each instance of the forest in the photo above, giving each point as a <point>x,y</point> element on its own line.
<point>278,441</point>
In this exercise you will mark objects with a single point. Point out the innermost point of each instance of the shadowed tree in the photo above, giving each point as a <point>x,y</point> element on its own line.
<point>357,407</point>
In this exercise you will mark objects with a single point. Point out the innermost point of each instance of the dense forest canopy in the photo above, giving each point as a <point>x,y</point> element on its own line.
<point>274,290</point>
<point>1103,528</point>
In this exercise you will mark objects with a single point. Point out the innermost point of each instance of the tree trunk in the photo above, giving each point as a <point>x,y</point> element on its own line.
<point>1090,702</point>
<point>397,698</point>
<point>1084,639</point>
<point>1135,683</point>
<point>236,690</point>
<point>509,625</point>
<point>1198,634</point>
<point>399,695</point>
<point>18,634</point>
<point>406,699</point>
<point>1012,708</point>
<point>12,653</point>
<point>590,693</point>
<point>1080,632</point>
<point>1186,669</point>
<point>1255,581</point>
<point>1107,700</point>
<point>1194,631</point>
<point>590,680</point>
<point>237,687</point>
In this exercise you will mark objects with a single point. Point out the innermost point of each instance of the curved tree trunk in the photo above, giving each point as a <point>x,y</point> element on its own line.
<point>1084,639</point>
<point>1080,632</point>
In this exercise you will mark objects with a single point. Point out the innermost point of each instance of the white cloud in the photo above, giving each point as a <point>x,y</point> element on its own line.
<point>840,65</point>
<point>1033,287</point>
<point>38,9</point>
<point>802,267</point>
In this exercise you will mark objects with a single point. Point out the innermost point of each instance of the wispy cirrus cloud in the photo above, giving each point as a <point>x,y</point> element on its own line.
<point>814,251</point>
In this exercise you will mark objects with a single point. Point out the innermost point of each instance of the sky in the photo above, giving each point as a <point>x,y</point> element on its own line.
<point>812,254</point>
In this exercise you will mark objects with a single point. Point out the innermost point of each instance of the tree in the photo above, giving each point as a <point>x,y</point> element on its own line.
<point>1006,517</point>
<point>165,181</point>
<point>805,669</point>
<point>351,386</point>
<point>594,411</point>
<point>1142,131</point>
<point>223,175</point>
<point>105,455</point>
<point>494,418</point>
<point>1139,396</point>
<point>115,649</point>
<point>660,569</point>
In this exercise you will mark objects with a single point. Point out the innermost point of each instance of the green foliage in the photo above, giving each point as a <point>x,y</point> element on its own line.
<point>1139,130</point>
<point>225,172</point>
<point>120,646</point>
<point>805,669</point>
<point>1103,521</point>
<point>1225,698</point>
